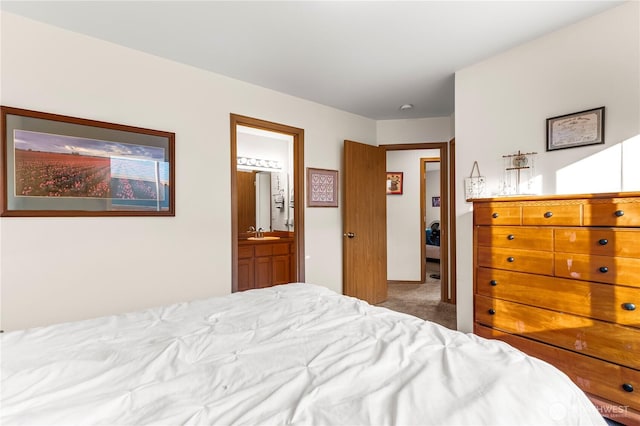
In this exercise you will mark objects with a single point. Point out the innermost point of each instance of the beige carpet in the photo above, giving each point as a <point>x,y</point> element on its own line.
<point>421,300</point>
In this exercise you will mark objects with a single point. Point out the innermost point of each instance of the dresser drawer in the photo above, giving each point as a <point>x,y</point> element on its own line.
<point>621,213</point>
<point>516,237</point>
<point>603,242</point>
<point>604,269</point>
<point>553,214</point>
<point>596,338</point>
<point>594,376</point>
<point>496,215</point>
<point>600,301</point>
<point>540,262</point>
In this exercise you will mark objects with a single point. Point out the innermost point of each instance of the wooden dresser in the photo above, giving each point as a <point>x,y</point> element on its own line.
<point>559,278</point>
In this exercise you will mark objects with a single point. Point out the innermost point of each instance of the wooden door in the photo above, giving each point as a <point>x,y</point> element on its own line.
<point>365,222</point>
<point>246,189</point>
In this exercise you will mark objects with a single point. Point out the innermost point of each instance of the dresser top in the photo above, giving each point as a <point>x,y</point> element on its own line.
<point>556,197</point>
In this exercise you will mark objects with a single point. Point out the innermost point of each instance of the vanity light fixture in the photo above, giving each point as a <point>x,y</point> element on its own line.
<point>248,163</point>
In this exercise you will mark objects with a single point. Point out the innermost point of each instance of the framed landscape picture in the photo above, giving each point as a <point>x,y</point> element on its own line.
<point>54,165</point>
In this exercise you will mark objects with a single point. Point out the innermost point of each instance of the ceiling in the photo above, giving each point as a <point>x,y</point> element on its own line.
<point>364,57</point>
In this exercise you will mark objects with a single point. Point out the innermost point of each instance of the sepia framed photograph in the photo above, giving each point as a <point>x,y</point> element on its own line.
<point>394,183</point>
<point>322,188</point>
<point>577,129</point>
<point>55,165</point>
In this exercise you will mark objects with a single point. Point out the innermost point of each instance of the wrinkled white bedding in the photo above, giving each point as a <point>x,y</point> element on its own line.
<point>292,354</point>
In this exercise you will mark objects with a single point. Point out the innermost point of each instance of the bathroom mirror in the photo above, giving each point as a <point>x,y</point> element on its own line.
<point>264,180</point>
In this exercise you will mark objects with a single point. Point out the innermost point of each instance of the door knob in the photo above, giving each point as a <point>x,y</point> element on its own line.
<point>349,234</point>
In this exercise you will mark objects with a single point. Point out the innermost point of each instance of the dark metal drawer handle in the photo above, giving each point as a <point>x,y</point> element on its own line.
<point>495,283</point>
<point>511,237</point>
<point>604,269</point>
<point>495,215</point>
<point>491,311</point>
<point>619,213</point>
<point>511,259</point>
<point>629,306</point>
<point>548,214</point>
<point>628,387</point>
<point>603,242</point>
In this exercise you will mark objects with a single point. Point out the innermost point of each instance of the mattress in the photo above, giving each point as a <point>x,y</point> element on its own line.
<point>292,354</point>
<point>432,252</point>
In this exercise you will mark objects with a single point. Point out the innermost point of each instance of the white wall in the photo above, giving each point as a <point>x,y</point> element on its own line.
<point>59,269</point>
<point>502,104</point>
<point>436,129</point>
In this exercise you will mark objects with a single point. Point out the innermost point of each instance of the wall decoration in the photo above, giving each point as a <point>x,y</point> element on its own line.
<point>322,188</point>
<point>475,185</point>
<point>55,165</point>
<point>394,183</point>
<point>577,129</point>
<point>519,173</point>
<point>435,201</point>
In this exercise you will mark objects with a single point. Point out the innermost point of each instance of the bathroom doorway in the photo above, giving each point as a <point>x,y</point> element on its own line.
<point>283,198</point>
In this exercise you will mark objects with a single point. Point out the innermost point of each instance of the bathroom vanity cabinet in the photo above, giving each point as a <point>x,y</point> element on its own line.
<point>265,263</point>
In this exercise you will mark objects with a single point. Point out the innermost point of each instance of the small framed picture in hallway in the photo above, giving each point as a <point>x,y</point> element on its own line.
<point>394,183</point>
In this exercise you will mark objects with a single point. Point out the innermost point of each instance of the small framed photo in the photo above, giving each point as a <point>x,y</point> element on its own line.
<point>577,129</point>
<point>55,165</point>
<point>435,201</point>
<point>394,183</point>
<point>322,188</point>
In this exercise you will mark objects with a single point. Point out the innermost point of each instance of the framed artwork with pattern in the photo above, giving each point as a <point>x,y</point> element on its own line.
<point>322,188</point>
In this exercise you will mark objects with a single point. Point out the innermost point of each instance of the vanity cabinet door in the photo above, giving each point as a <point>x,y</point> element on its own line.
<point>280,269</point>
<point>263,272</point>
<point>245,274</point>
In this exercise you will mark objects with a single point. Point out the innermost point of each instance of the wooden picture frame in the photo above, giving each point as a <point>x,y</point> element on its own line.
<point>56,165</point>
<point>435,201</point>
<point>394,183</point>
<point>578,129</point>
<point>322,187</point>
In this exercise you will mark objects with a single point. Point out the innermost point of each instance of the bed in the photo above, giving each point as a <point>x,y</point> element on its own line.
<point>291,354</point>
<point>432,239</point>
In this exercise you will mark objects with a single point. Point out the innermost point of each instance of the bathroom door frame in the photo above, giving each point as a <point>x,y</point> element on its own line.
<point>298,190</point>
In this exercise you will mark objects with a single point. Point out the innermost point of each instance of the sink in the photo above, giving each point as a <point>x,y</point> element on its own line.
<point>263,238</point>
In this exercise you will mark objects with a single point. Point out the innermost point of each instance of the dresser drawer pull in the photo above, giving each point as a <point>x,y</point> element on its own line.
<point>491,311</point>
<point>619,213</point>
<point>603,269</point>
<point>629,306</point>
<point>511,259</point>
<point>548,214</point>
<point>603,242</point>
<point>511,237</point>
<point>628,387</point>
<point>495,215</point>
<point>495,283</point>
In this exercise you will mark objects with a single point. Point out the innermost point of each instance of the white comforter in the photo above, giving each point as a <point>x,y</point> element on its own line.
<point>292,354</point>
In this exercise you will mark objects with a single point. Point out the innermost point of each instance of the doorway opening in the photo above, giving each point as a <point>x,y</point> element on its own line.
<point>445,228</point>
<point>283,189</point>
<point>430,214</point>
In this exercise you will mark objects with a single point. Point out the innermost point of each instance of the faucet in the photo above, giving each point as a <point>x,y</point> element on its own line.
<point>260,233</point>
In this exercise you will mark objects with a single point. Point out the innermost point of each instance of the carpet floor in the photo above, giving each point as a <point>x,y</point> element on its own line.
<point>421,300</point>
